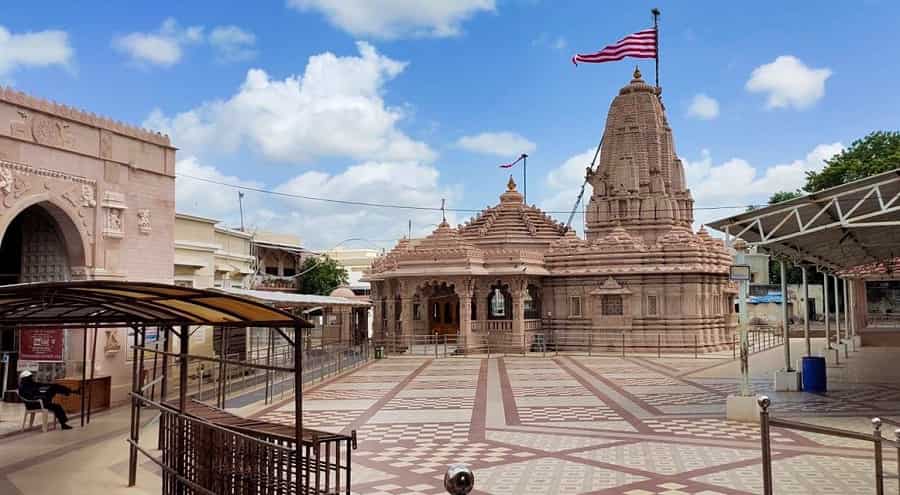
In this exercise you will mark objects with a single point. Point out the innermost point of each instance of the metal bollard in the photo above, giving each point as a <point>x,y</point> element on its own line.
<point>764,403</point>
<point>879,468</point>
<point>459,479</point>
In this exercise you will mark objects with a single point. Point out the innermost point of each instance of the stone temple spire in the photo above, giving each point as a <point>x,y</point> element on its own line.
<point>639,182</point>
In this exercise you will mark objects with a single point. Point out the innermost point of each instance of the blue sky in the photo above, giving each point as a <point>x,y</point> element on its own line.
<point>409,102</point>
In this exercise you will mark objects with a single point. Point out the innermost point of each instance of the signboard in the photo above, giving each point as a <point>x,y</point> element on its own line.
<point>740,272</point>
<point>41,344</point>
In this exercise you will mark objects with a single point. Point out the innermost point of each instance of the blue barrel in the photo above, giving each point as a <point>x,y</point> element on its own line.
<point>815,379</point>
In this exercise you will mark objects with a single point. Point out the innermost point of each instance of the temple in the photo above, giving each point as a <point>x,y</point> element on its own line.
<point>512,274</point>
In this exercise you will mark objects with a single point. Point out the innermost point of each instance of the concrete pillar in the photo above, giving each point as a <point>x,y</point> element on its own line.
<point>847,334</point>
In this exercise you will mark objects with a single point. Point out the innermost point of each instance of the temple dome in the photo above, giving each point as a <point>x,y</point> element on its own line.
<point>342,291</point>
<point>638,181</point>
<point>512,223</point>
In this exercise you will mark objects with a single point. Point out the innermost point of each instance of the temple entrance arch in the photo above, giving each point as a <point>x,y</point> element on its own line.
<point>40,244</point>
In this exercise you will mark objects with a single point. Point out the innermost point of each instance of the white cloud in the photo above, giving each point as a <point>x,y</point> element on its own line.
<point>163,47</point>
<point>326,224</point>
<point>34,49</point>
<point>788,82</point>
<point>233,43</point>
<point>206,199</point>
<point>504,143</point>
<point>334,109</point>
<point>703,107</point>
<point>557,43</point>
<point>397,18</point>
<point>717,185</point>
<point>564,183</point>
<point>323,225</point>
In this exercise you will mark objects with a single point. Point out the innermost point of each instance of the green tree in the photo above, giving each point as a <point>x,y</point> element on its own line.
<point>878,152</point>
<point>321,275</point>
<point>782,196</point>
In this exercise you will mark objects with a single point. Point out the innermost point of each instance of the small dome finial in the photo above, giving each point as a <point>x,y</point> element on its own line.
<point>511,185</point>
<point>637,72</point>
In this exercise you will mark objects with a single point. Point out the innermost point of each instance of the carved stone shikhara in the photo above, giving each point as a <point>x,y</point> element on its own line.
<point>639,259</point>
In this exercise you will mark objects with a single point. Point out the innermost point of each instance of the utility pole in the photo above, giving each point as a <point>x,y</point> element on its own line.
<point>241,206</point>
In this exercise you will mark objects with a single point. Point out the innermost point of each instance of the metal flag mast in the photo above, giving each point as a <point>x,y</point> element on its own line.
<point>524,178</point>
<point>655,11</point>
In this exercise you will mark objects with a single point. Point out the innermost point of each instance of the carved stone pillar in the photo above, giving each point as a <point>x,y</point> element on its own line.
<point>388,319</point>
<point>464,291</point>
<point>407,292</point>
<point>518,290</point>
<point>346,334</point>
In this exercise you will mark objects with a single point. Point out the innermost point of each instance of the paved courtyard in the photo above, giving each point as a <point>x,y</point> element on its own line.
<point>587,425</point>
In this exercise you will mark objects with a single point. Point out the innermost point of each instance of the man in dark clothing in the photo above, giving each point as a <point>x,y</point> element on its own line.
<point>31,390</point>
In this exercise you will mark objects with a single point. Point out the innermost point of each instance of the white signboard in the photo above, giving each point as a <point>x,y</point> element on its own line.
<point>740,272</point>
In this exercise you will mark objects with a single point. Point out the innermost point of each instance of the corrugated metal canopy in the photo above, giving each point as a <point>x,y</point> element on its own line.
<point>106,303</point>
<point>838,228</point>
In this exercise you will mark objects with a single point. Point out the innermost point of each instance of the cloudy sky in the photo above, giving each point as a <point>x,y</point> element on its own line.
<point>409,102</point>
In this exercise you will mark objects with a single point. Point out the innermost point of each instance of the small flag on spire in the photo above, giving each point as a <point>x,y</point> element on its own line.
<point>641,44</point>
<point>509,165</point>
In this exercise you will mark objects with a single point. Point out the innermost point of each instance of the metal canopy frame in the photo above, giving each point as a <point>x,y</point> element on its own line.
<point>835,229</point>
<point>98,304</point>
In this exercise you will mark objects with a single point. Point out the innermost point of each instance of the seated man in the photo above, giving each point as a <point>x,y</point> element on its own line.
<point>31,390</point>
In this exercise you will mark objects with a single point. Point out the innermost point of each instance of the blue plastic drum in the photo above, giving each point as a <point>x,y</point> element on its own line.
<point>815,379</point>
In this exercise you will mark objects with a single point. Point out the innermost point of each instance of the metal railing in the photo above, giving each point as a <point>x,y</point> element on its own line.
<point>576,342</point>
<point>212,381</point>
<point>766,422</point>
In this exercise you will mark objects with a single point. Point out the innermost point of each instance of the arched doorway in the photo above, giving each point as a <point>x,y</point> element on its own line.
<point>33,249</point>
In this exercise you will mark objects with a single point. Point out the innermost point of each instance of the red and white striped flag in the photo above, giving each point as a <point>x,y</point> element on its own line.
<point>641,44</point>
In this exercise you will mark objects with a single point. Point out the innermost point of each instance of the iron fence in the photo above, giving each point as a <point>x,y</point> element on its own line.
<point>590,343</point>
<point>766,423</point>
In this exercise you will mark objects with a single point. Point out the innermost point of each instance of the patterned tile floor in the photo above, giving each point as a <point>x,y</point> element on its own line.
<point>586,425</point>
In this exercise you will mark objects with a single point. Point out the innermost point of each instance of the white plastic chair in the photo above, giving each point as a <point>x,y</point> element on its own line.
<point>30,414</point>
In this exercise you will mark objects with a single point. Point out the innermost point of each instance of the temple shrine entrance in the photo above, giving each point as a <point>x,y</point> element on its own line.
<point>444,314</point>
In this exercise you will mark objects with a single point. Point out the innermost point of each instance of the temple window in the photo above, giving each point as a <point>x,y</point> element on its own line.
<point>652,309</point>
<point>532,303</point>
<point>611,305</point>
<point>417,312</point>
<point>272,270</point>
<point>575,306</point>
<point>498,303</point>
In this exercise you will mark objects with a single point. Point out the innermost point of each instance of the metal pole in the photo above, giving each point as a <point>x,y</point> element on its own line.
<point>298,402</point>
<point>84,370</point>
<point>852,310</point>
<point>846,310</point>
<point>837,311</point>
<point>827,315</point>
<point>743,288</point>
<point>784,316</point>
<point>806,313</point>
<point>655,13</point>
<point>524,178</point>
<point>764,403</point>
<point>879,469</point>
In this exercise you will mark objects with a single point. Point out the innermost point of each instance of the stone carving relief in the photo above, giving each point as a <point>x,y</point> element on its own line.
<point>12,186</point>
<point>143,221</point>
<point>19,129</point>
<point>114,218</point>
<point>50,131</point>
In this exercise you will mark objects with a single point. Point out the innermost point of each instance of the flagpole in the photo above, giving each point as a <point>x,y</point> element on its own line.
<point>655,13</point>
<point>525,178</point>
